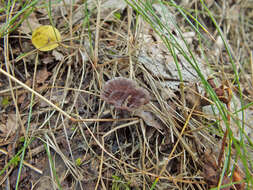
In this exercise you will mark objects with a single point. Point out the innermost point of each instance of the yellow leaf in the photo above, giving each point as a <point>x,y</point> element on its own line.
<point>46,38</point>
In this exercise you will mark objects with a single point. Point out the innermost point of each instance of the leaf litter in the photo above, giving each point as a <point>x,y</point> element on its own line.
<point>71,82</point>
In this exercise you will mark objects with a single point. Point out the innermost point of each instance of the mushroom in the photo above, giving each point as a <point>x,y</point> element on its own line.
<point>124,94</point>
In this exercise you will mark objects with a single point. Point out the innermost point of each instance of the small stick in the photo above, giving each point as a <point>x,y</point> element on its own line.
<point>95,58</point>
<point>229,92</point>
<point>25,163</point>
<point>103,120</point>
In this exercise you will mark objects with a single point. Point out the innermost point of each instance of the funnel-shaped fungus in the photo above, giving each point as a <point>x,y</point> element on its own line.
<point>124,94</point>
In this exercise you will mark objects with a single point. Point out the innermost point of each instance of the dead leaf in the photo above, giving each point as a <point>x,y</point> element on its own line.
<point>148,118</point>
<point>193,97</point>
<point>159,62</point>
<point>48,59</point>
<point>10,127</point>
<point>42,75</point>
<point>46,38</point>
<point>223,92</point>
<point>107,7</point>
<point>21,98</point>
<point>212,173</point>
<point>58,56</point>
<point>238,176</point>
<point>29,24</point>
<point>209,3</point>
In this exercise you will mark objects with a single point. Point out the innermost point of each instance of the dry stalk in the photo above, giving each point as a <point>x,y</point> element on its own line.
<point>25,163</point>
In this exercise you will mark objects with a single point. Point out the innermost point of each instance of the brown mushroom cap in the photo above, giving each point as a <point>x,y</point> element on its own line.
<point>124,94</point>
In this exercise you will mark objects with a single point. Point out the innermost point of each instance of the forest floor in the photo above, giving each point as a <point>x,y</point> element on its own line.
<point>179,117</point>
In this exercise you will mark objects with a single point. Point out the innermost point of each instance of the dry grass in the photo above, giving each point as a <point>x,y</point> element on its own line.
<point>66,131</point>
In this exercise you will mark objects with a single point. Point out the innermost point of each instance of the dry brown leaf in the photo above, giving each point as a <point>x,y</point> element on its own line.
<point>238,176</point>
<point>10,127</point>
<point>211,172</point>
<point>29,24</point>
<point>58,56</point>
<point>107,7</point>
<point>192,96</point>
<point>21,98</point>
<point>47,60</point>
<point>148,118</point>
<point>42,75</point>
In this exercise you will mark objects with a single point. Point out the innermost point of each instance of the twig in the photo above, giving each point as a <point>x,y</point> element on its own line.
<point>97,34</point>
<point>25,163</point>
<point>229,92</point>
